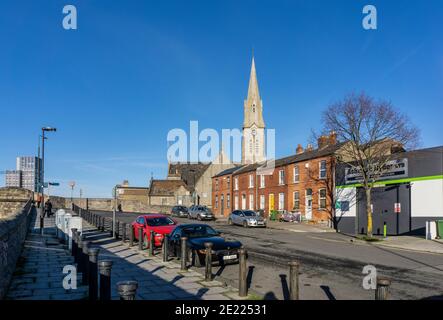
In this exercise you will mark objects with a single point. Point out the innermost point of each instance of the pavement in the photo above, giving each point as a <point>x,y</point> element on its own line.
<point>39,273</point>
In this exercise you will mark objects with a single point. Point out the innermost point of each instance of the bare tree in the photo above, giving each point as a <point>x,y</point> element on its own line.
<point>372,131</point>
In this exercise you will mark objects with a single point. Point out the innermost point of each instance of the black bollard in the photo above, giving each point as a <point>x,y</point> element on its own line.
<point>208,261</point>
<point>123,233</point>
<point>79,255</point>
<point>140,239</point>
<point>151,243</point>
<point>105,267</point>
<point>382,291</point>
<point>184,253</point>
<point>41,224</point>
<point>242,282</point>
<point>131,235</point>
<point>127,289</point>
<point>165,247</point>
<point>102,224</point>
<point>85,259</point>
<point>293,280</point>
<point>93,279</point>
<point>73,240</point>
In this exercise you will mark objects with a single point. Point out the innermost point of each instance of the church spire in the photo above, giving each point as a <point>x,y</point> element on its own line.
<point>253,92</point>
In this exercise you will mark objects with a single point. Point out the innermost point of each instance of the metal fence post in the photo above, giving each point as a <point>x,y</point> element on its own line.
<point>208,261</point>
<point>105,267</point>
<point>123,233</point>
<point>79,255</point>
<point>131,235</point>
<point>117,229</point>
<point>85,259</point>
<point>293,280</point>
<point>184,253</point>
<point>151,243</point>
<point>127,289</point>
<point>165,248</point>
<point>140,239</point>
<point>93,280</point>
<point>73,243</point>
<point>242,283</point>
<point>42,223</point>
<point>382,291</point>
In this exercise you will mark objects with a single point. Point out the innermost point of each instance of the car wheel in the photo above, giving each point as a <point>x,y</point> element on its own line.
<point>230,222</point>
<point>245,224</point>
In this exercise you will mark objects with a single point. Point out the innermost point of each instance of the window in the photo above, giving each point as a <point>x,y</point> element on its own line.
<point>243,201</point>
<point>216,184</point>
<point>228,201</point>
<point>228,182</point>
<point>236,202</point>
<point>216,201</point>
<point>236,183</point>
<point>262,181</point>
<point>251,181</point>
<point>322,169</point>
<point>296,200</point>
<point>296,174</point>
<point>262,201</point>
<point>281,177</point>
<point>281,201</point>
<point>251,202</point>
<point>322,199</point>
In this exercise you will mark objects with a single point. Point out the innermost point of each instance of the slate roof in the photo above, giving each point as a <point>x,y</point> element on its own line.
<point>189,173</point>
<point>228,171</point>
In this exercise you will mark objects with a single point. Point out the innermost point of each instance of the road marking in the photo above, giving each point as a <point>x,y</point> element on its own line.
<point>330,240</point>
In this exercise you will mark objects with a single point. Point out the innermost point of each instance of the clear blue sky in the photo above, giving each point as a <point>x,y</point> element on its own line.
<point>133,70</point>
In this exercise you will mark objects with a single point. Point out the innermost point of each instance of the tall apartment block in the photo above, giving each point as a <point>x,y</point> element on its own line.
<point>26,174</point>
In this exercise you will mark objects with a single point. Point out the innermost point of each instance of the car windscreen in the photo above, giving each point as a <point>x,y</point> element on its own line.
<point>199,231</point>
<point>159,221</point>
<point>249,213</point>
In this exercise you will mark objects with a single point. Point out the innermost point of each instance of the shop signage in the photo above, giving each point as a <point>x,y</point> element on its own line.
<point>393,169</point>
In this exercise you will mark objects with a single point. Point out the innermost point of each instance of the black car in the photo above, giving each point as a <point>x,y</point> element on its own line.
<point>224,252</point>
<point>179,211</point>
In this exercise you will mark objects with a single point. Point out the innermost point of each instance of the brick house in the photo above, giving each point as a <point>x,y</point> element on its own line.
<point>299,183</point>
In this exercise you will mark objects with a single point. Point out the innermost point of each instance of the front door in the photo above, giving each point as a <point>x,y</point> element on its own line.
<point>308,204</point>
<point>222,205</point>
<point>271,202</point>
<point>243,202</point>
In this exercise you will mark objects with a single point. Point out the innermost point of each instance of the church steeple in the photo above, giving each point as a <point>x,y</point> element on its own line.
<point>253,124</point>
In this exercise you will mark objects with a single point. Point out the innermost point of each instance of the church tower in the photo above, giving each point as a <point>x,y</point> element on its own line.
<point>253,144</point>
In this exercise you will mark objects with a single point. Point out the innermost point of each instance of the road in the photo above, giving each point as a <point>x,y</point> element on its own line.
<point>331,264</point>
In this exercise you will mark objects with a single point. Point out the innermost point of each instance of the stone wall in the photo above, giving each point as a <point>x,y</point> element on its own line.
<point>13,229</point>
<point>12,199</point>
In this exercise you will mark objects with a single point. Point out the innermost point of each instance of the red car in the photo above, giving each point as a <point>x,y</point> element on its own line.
<point>159,223</point>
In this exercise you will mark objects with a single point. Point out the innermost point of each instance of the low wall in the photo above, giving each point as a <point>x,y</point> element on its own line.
<point>13,229</point>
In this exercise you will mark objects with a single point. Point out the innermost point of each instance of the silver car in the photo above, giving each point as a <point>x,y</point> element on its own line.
<point>200,213</point>
<point>246,218</point>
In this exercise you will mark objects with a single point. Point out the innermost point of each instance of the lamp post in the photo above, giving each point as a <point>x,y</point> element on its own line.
<point>44,129</point>
<point>114,235</point>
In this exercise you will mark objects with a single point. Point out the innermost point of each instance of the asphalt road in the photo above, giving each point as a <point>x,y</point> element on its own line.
<point>331,265</point>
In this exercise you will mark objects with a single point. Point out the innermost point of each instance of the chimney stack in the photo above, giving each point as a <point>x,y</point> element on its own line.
<point>323,142</point>
<point>332,138</point>
<point>309,147</point>
<point>299,149</point>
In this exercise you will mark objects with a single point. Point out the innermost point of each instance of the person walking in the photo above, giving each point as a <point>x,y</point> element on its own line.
<point>48,208</point>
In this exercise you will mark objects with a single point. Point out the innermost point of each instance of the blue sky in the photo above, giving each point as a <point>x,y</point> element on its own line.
<point>133,70</point>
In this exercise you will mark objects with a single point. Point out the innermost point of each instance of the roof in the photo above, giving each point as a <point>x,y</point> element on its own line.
<point>188,172</point>
<point>165,187</point>
<point>153,215</point>
<point>228,171</point>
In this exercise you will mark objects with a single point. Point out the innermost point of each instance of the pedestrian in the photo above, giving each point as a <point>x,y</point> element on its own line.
<point>48,208</point>
<point>119,207</point>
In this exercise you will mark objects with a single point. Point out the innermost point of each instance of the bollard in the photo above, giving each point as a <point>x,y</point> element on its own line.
<point>151,243</point>
<point>102,223</point>
<point>140,239</point>
<point>165,248</point>
<point>105,267</point>
<point>127,289</point>
<point>293,280</point>
<point>242,279</point>
<point>208,261</point>
<point>41,224</point>
<point>382,291</point>
<point>131,235</point>
<point>93,280</point>
<point>73,235</point>
<point>123,233</point>
<point>79,260</point>
<point>384,229</point>
<point>85,262</point>
<point>184,255</point>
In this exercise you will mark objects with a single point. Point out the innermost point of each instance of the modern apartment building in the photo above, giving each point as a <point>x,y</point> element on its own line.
<point>26,174</point>
<point>13,178</point>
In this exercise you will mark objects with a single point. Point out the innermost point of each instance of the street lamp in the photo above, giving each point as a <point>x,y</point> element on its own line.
<point>44,129</point>
<point>114,234</point>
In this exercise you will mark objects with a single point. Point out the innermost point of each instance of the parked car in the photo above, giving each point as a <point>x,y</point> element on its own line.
<point>200,213</point>
<point>159,223</point>
<point>224,252</point>
<point>179,211</point>
<point>246,218</point>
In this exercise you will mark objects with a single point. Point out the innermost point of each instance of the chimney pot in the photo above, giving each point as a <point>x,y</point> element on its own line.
<point>299,149</point>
